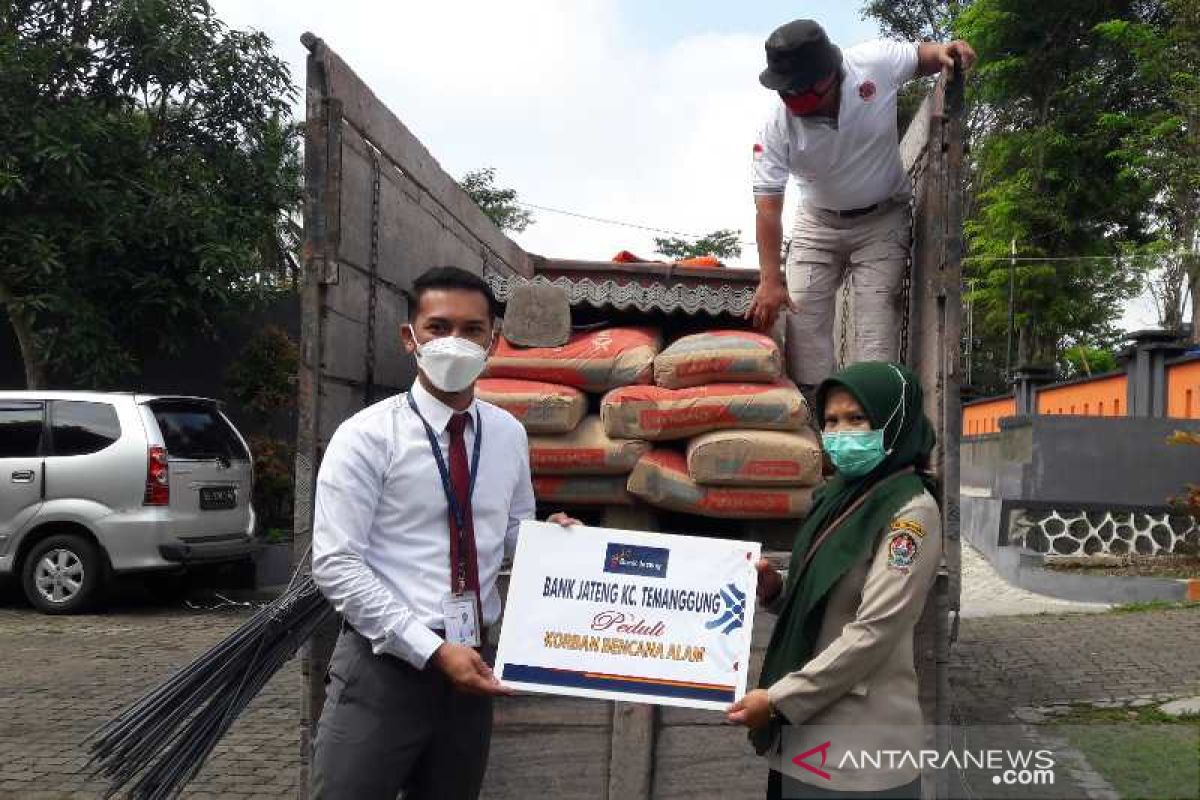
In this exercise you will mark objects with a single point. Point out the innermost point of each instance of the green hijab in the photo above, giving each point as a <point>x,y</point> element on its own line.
<point>892,398</point>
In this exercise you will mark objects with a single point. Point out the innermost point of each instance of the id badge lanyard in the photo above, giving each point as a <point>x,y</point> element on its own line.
<point>460,514</point>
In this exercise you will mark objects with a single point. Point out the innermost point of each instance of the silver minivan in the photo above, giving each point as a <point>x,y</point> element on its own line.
<point>96,483</point>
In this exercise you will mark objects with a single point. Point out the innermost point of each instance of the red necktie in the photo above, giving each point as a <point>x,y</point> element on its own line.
<point>460,481</point>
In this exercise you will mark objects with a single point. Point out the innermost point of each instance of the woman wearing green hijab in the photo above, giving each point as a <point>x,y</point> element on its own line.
<point>841,652</point>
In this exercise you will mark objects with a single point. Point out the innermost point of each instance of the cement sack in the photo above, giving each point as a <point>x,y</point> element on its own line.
<point>718,357</point>
<point>655,413</point>
<point>595,361</point>
<point>661,479</point>
<point>540,407</point>
<point>755,458</point>
<point>581,490</point>
<point>585,451</point>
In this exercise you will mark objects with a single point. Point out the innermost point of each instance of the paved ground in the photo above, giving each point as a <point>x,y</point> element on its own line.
<point>1002,668</point>
<point>986,594</point>
<point>1018,649</point>
<point>1004,663</point>
<point>63,676</point>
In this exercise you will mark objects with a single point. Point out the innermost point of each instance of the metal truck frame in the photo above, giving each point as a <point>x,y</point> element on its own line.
<point>379,210</point>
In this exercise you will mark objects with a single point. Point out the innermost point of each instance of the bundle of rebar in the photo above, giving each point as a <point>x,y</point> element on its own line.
<point>163,739</point>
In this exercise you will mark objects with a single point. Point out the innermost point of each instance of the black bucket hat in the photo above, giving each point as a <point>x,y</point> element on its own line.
<point>798,55</point>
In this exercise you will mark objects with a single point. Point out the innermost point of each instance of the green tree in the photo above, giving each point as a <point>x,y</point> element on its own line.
<point>263,378</point>
<point>1045,175</point>
<point>1161,146</point>
<point>1082,361</point>
<point>1055,165</point>
<point>500,205</point>
<point>146,165</point>
<point>263,381</point>
<point>914,20</point>
<point>722,243</point>
<point>1189,501</point>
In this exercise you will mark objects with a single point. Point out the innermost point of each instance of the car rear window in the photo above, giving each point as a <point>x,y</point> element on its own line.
<point>78,428</point>
<point>197,430</point>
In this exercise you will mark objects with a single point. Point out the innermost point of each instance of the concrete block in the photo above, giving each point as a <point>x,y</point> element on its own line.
<point>537,315</point>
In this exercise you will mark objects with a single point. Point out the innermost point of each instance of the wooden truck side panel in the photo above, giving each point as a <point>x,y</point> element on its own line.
<point>378,211</point>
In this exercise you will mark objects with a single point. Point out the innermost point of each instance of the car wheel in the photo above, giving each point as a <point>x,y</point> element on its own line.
<point>62,574</point>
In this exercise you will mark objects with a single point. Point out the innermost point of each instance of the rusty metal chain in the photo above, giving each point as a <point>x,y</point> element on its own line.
<point>847,279</point>
<point>906,287</point>
<point>372,281</point>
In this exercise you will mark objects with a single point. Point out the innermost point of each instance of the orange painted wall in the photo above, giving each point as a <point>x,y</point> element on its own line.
<point>1183,390</point>
<point>1102,397</point>
<point>985,417</point>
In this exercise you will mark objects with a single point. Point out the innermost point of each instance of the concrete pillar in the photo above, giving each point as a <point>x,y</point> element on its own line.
<point>1026,381</point>
<point>1146,367</point>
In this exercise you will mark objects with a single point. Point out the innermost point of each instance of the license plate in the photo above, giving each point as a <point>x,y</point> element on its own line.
<point>216,498</point>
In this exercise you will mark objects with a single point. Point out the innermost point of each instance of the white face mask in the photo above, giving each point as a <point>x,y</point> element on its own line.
<point>449,362</point>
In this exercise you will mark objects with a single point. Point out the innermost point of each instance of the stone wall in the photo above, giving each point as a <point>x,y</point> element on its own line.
<point>1078,486</point>
<point>1061,531</point>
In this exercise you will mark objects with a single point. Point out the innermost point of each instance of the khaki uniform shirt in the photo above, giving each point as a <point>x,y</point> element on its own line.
<point>863,673</point>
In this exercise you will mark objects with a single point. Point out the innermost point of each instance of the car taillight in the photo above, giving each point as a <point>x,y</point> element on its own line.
<point>158,487</point>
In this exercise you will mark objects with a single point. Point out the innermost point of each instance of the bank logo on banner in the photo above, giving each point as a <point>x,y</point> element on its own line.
<point>733,610</point>
<point>632,559</point>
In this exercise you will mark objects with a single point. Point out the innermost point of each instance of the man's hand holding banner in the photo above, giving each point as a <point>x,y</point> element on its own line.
<point>629,615</point>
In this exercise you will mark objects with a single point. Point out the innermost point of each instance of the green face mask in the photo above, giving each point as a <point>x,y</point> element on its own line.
<point>855,453</point>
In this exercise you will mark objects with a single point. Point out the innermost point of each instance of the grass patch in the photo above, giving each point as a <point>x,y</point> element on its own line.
<point>1176,565</point>
<point>1152,605</point>
<point>1141,752</point>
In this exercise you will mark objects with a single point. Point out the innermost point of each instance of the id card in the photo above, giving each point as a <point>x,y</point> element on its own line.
<point>462,622</point>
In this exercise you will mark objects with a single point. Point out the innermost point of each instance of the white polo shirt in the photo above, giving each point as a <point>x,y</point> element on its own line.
<point>854,163</point>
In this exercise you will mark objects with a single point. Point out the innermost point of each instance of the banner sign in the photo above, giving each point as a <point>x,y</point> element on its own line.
<point>629,615</point>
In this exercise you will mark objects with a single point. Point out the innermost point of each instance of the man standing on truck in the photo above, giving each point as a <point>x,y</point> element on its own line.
<point>418,499</point>
<point>835,130</point>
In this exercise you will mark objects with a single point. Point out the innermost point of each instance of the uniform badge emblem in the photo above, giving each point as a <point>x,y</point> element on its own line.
<point>910,525</point>
<point>866,90</point>
<point>902,550</point>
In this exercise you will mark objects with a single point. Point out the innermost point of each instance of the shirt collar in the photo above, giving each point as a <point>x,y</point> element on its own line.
<point>437,413</point>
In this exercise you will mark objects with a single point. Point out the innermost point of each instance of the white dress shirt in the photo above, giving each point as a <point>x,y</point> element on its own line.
<point>381,534</point>
<point>855,163</point>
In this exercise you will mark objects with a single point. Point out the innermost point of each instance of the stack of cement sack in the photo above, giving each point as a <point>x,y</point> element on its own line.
<point>574,461</point>
<point>748,451</point>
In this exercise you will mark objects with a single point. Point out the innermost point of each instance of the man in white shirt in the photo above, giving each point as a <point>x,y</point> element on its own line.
<point>418,499</point>
<point>835,131</point>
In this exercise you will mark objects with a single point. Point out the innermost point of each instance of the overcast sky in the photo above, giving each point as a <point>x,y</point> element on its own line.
<point>634,110</point>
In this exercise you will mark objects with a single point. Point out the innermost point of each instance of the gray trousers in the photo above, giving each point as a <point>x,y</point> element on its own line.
<point>388,728</point>
<point>871,251</point>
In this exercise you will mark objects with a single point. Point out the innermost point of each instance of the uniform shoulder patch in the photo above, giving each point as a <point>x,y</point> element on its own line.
<point>910,525</point>
<point>901,551</point>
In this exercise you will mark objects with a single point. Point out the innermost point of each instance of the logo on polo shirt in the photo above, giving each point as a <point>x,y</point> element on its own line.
<point>758,151</point>
<point>866,90</point>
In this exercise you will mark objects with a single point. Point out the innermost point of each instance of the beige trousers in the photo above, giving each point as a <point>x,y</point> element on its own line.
<point>871,252</point>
